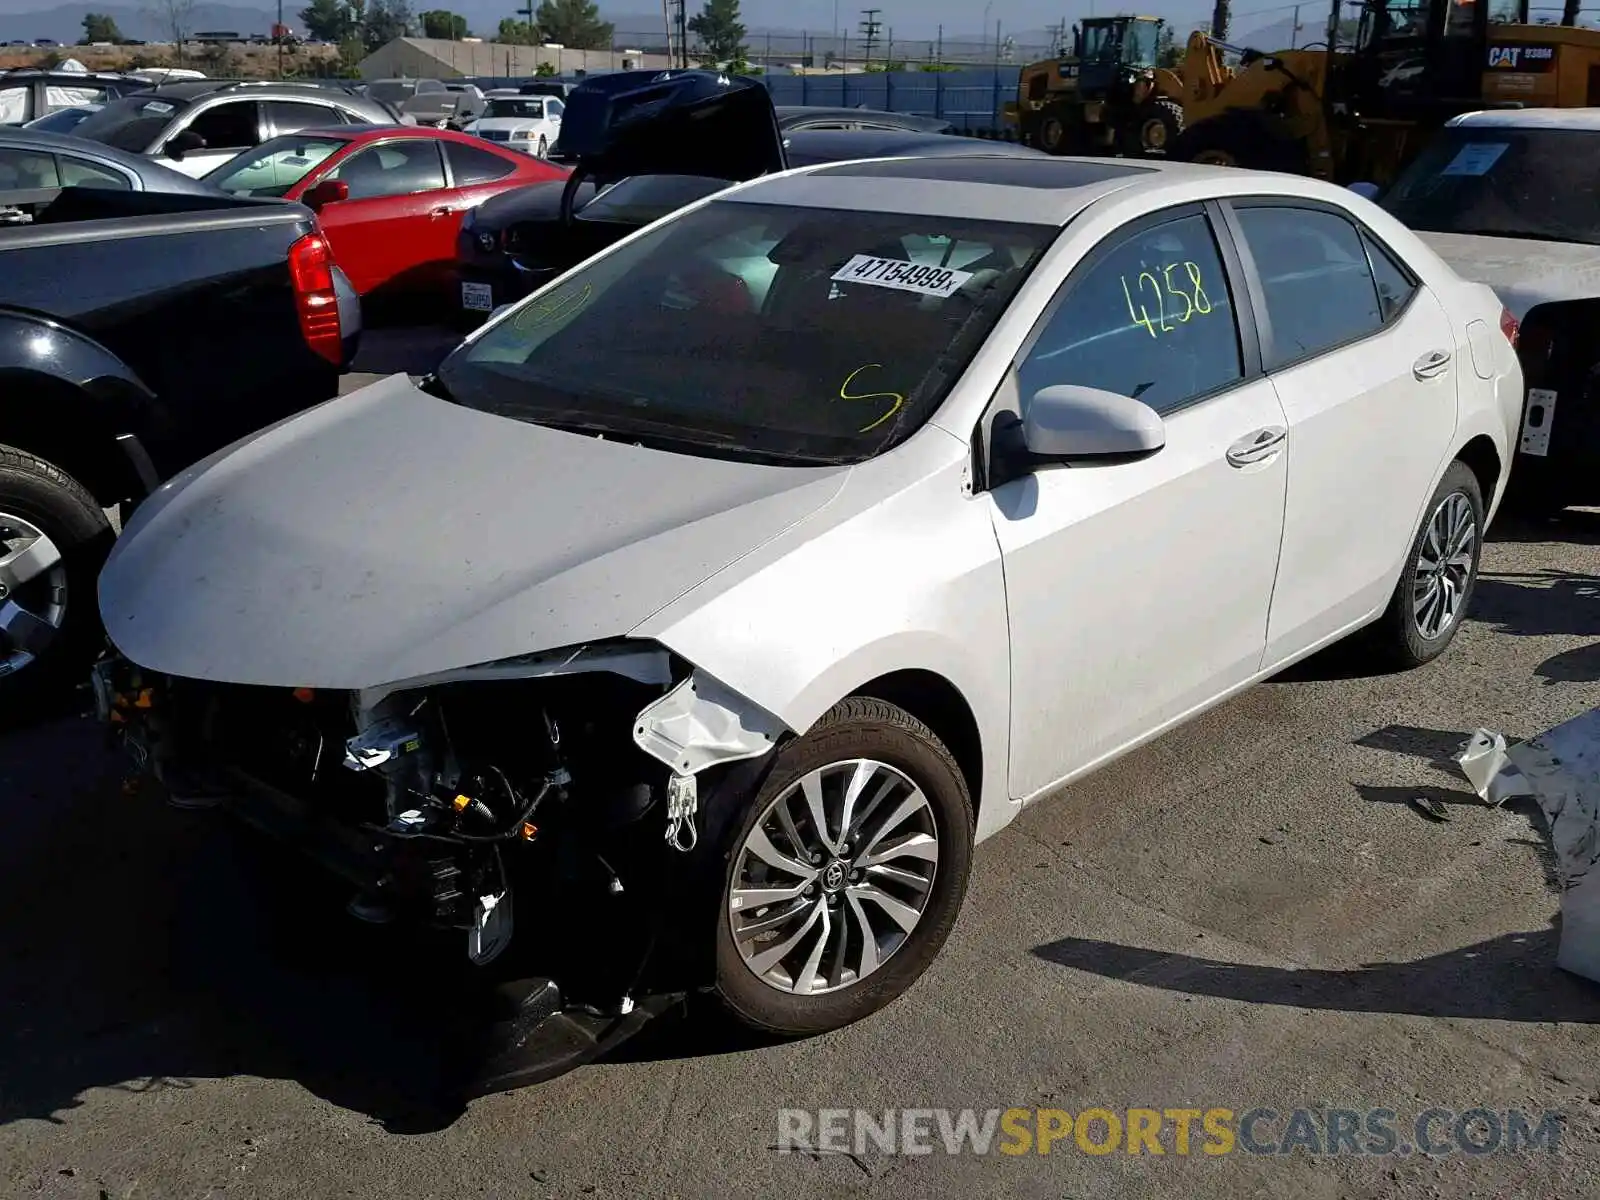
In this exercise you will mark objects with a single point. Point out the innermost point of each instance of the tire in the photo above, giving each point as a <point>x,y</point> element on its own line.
<point>543,149</point>
<point>1054,132</point>
<point>36,496</point>
<point>1155,129</point>
<point>900,751</point>
<point>1398,638</point>
<point>1241,139</point>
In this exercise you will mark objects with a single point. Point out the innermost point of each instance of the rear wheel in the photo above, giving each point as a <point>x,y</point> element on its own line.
<point>846,874</point>
<point>53,540</point>
<point>1441,572</point>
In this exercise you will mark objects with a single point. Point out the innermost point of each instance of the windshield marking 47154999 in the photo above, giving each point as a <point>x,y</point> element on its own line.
<point>901,275</point>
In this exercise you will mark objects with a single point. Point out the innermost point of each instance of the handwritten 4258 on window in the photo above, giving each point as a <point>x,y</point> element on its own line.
<point>1166,288</point>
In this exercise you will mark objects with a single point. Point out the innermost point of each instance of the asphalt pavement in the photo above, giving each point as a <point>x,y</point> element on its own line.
<point>1250,912</point>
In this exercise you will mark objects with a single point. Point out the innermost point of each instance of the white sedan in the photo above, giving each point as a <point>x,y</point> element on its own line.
<point>753,570</point>
<point>527,123</point>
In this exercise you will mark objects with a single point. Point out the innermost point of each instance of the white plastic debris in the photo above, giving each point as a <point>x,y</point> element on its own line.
<point>1560,768</point>
<point>1484,761</point>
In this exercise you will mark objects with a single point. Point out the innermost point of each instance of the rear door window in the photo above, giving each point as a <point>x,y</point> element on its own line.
<point>80,172</point>
<point>289,116</point>
<point>471,166</point>
<point>1396,285</point>
<point>230,126</point>
<point>1149,316</point>
<point>1315,277</point>
<point>392,169</point>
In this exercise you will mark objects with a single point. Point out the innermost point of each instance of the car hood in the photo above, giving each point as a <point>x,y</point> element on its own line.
<point>1524,273</point>
<point>390,534</point>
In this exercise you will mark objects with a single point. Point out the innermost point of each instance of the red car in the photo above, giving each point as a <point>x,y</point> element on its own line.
<point>389,197</point>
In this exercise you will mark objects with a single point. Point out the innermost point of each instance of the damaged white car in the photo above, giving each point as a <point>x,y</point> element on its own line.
<point>712,602</point>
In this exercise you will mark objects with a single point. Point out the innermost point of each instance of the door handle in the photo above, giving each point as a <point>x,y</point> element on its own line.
<point>445,211</point>
<point>1257,447</point>
<point>1431,365</point>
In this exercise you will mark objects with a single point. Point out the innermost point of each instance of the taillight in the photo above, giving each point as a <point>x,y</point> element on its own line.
<point>311,272</point>
<point>1509,326</point>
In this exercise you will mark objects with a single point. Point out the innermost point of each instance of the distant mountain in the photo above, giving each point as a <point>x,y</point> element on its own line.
<point>65,24</point>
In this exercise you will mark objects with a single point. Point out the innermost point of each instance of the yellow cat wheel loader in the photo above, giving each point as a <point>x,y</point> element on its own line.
<point>1107,96</point>
<point>1361,110</point>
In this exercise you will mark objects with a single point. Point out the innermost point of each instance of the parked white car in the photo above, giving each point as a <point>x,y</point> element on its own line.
<point>817,529</point>
<point>528,123</point>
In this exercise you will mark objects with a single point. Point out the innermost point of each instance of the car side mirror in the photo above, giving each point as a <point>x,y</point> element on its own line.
<point>1069,422</point>
<point>329,191</point>
<point>1367,191</point>
<point>182,143</point>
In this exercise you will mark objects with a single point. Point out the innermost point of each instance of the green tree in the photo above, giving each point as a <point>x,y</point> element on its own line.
<point>326,20</point>
<point>1219,20</point>
<point>385,21</point>
<point>545,69</point>
<point>516,33</point>
<point>351,51</point>
<point>574,23</point>
<point>720,33</point>
<point>99,27</point>
<point>441,23</point>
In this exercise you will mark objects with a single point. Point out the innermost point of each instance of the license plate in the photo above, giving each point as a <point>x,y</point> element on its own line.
<point>477,297</point>
<point>1536,423</point>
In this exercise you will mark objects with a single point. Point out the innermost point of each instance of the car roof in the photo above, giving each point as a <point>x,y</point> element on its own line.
<point>1530,118</point>
<point>156,177</point>
<point>984,183</point>
<point>15,73</point>
<point>371,133</point>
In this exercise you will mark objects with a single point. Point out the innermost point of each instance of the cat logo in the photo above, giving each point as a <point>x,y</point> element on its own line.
<point>1521,58</point>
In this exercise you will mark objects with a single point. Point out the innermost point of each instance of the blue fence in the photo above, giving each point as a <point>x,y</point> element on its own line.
<point>969,99</point>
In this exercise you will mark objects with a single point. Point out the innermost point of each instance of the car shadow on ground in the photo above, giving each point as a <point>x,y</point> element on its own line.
<point>143,948</point>
<point>1508,978</point>
<point>1573,527</point>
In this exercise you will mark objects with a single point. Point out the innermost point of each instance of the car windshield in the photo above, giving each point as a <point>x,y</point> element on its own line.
<point>131,123</point>
<point>63,120</point>
<point>753,331</point>
<point>1504,182</point>
<point>272,168</point>
<point>529,109</point>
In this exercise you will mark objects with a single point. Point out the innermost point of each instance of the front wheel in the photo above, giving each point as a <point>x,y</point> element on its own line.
<point>846,874</point>
<point>53,538</point>
<point>543,148</point>
<point>1441,572</point>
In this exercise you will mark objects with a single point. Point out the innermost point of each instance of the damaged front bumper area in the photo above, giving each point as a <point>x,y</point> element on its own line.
<point>547,808</point>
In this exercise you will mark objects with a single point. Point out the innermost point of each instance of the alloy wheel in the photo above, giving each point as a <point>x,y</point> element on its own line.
<point>1444,566</point>
<point>833,877</point>
<point>33,592</point>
